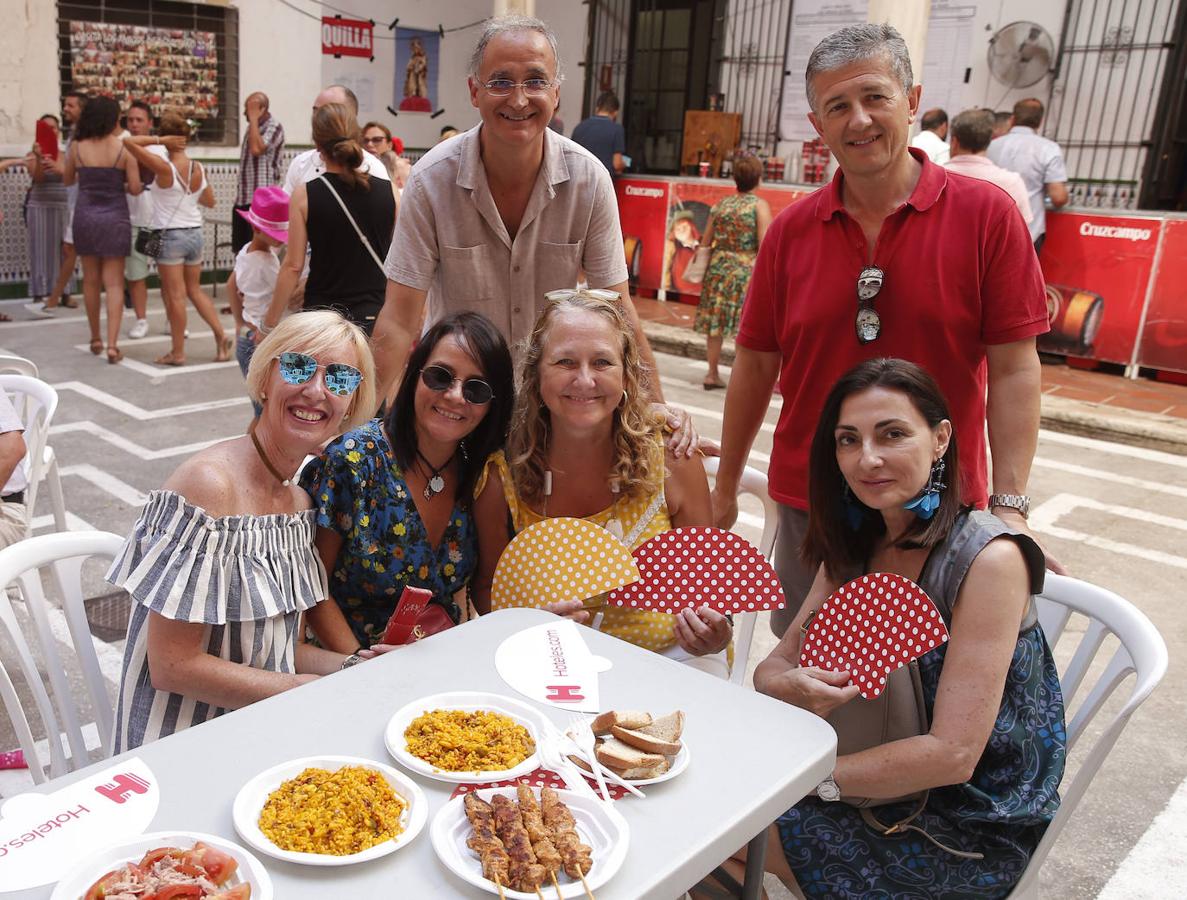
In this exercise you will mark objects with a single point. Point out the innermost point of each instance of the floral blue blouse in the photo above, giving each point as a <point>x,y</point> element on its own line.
<point>358,490</point>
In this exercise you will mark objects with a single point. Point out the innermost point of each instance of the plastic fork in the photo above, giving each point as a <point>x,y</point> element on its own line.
<point>583,736</point>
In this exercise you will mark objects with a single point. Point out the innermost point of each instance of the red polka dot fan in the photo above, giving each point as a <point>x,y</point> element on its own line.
<point>691,567</point>
<point>870,627</point>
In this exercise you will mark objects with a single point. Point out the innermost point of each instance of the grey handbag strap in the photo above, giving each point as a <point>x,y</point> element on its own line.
<point>350,218</point>
<point>949,562</point>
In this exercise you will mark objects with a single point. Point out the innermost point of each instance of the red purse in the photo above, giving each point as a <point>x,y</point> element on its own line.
<point>415,618</point>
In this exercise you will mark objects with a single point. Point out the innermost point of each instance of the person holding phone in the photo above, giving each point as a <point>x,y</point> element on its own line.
<point>395,499</point>
<point>46,210</point>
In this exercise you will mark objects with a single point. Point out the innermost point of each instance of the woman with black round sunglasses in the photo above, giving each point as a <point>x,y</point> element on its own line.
<point>395,498</point>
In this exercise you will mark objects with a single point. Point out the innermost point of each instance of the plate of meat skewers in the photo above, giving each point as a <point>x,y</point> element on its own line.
<point>531,843</point>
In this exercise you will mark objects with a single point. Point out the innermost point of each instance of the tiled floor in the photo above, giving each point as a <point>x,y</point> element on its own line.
<point>1104,388</point>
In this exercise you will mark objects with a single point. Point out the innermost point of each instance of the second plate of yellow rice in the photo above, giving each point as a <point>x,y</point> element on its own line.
<point>329,810</point>
<point>465,736</point>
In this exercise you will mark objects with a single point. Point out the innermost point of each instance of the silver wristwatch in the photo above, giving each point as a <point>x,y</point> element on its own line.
<point>1019,502</point>
<point>353,660</point>
<point>828,791</point>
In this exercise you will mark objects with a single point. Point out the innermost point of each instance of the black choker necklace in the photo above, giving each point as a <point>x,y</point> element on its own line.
<point>435,483</point>
<point>264,457</point>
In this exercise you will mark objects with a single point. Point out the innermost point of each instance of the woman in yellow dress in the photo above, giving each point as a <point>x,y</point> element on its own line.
<point>585,444</point>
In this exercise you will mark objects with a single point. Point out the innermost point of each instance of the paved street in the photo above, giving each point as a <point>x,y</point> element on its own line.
<point>1112,513</point>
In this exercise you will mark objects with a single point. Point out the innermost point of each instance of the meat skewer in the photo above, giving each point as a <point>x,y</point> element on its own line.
<point>485,842</point>
<point>576,857</point>
<point>524,872</point>
<point>539,833</point>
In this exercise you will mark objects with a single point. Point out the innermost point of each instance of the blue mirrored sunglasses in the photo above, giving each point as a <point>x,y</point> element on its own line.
<point>298,368</point>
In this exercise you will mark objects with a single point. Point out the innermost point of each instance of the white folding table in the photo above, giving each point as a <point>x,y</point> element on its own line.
<point>752,758</point>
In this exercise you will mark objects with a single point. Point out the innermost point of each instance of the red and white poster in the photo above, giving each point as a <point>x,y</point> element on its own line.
<point>1164,336</point>
<point>643,211</point>
<point>1097,269</point>
<point>663,221</point>
<point>347,37</point>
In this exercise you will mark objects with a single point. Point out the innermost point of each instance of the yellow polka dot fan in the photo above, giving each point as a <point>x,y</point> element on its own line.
<point>560,559</point>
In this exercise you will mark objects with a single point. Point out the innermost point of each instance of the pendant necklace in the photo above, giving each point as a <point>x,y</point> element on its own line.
<point>435,483</point>
<point>287,482</point>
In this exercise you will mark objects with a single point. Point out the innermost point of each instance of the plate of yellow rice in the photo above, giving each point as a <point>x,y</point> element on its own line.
<point>466,736</point>
<point>329,810</point>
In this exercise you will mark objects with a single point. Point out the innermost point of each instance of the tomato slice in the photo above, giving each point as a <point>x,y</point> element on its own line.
<point>239,892</point>
<point>219,866</point>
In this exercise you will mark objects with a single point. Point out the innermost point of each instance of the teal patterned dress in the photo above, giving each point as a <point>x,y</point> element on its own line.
<point>735,246</point>
<point>1001,812</point>
<point>359,491</point>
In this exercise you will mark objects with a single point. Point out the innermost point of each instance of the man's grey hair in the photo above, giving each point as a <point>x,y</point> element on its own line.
<point>504,24</point>
<point>856,43</point>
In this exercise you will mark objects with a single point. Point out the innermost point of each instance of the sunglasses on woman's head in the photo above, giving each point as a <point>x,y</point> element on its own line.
<point>474,390</point>
<point>298,368</point>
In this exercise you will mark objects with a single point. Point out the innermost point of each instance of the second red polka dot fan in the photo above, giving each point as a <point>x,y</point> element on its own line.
<point>686,568</point>
<point>870,627</point>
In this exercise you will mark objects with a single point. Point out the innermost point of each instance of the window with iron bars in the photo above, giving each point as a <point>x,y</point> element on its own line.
<point>153,77</point>
<point>662,57</point>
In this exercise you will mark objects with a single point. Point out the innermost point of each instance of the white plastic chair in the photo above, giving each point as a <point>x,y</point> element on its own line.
<point>21,563</point>
<point>36,402</point>
<point>19,365</point>
<point>753,482</point>
<point>1142,652</point>
<point>49,472</point>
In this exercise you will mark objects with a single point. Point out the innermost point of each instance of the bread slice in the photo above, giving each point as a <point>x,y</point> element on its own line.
<point>645,742</point>
<point>617,755</point>
<point>635,772</point>
<point>623,718</point>
<point>666,728</point>
<point>639,772</point>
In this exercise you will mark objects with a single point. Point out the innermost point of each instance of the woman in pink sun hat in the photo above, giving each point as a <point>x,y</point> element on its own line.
<point>257,267</point>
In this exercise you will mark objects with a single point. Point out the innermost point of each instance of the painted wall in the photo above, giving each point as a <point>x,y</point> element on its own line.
<point>28,71</point>
<point>280,54</point>
<point>567,17</point>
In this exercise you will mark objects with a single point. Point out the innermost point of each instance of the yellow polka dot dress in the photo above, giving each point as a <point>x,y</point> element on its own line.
<point>650,630</point>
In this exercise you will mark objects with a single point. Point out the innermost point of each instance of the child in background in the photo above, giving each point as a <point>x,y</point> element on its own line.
<point>257,267</point>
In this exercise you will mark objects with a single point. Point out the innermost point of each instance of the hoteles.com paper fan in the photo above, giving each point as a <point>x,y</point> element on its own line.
<point>560,559</point>
<point>686,568</point>
<point>872,626</point>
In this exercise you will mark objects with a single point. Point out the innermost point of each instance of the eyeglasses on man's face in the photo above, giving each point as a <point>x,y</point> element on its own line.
<point>504,87</point>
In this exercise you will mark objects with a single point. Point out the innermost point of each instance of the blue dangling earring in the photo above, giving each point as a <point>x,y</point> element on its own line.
<point>855,513</point>
<point>928,501</point>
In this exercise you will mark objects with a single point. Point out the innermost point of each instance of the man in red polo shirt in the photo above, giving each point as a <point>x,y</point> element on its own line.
<point>895,258</point>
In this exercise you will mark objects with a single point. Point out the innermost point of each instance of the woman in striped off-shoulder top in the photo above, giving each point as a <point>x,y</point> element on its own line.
<point>221,564</point>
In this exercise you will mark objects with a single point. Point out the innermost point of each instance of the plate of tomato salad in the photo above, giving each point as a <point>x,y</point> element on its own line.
<point>169,865</point>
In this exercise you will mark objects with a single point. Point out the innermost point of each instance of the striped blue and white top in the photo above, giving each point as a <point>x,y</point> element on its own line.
<point>246,578</point>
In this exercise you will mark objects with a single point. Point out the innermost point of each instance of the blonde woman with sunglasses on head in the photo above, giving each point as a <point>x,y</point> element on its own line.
<point>585,443</point>
<point>222,557</point>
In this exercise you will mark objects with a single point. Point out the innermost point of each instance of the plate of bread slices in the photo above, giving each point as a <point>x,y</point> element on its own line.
<point>639,747</point>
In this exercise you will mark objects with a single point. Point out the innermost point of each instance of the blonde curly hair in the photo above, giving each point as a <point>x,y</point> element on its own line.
<point>634,426</point>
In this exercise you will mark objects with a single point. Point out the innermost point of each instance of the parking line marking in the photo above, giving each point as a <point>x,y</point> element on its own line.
<point>1076,440</point>
<point>1101,475</point>
<point>130,446</point>
<point>1156,862</point>
<point>1043,519</point>
<point>146,415</point>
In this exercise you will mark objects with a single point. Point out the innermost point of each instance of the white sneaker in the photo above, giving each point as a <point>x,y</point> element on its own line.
<point>37,307</point>
<point>139,330</point>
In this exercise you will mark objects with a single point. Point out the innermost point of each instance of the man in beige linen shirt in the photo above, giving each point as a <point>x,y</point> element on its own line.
<point>495,217</point>
<point>971,133</point>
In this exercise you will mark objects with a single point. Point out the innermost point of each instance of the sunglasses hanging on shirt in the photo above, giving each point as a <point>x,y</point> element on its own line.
<point>868,323</point>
